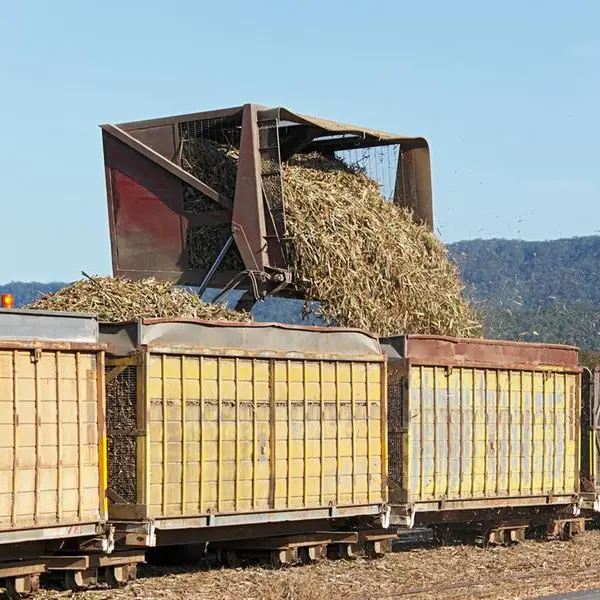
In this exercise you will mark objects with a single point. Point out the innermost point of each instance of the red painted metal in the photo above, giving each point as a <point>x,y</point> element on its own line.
<point>249,227</point>
<point>420,349</point>
<point>145,213</point>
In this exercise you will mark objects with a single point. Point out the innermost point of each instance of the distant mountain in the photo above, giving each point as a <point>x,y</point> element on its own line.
<point>531,291</point>
<point>27,291</point>
<point>535,291</point>
<point>531,274</point>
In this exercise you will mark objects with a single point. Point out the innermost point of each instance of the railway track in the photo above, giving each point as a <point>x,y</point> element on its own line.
<point>418,567</point>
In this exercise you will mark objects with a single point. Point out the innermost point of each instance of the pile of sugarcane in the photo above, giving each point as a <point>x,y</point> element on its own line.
<point>113,299</point>
<point>364,259</point>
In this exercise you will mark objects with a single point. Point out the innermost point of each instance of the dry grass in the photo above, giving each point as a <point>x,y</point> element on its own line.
<point>589,359</point>
<point>363,258</point>
<point>366,259</point>
<point>460,572</point>
<point>123,300</point>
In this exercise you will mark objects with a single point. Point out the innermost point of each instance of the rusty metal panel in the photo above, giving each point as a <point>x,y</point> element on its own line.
<point>145,205</point>
<point>336,127</point>
<point>448,351</point>
<point>160,138</point>
<point>248,214</point>
<point>252,432</point>
<point>413,181</point>
<point>52,467</point>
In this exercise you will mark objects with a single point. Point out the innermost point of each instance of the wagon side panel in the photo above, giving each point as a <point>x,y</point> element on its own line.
<point>490,434</point>
<point>51,437</point>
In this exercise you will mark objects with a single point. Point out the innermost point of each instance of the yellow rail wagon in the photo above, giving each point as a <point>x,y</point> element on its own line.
<point>52,453</point>
<point>484,433</point>
<point>224,431</point>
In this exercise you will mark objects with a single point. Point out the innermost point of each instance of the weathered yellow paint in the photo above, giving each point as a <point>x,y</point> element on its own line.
<point>52,467</point>
<point>240,434</point>
<point>489,433</point>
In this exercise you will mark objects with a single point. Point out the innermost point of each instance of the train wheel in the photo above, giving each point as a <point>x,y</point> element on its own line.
<point>539,532</point>
<point>344,551</point>
<point>304,555</point>
<point>21,587</point>
<point>80,580</point>
<point>311,554</point>
<point>377,549</point>
<point>442,535</point>
<point>231,559</point>
<point>118,575</point>
<point>287,556</point>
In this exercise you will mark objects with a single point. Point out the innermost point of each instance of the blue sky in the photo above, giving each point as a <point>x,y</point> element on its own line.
<point>506,92</point>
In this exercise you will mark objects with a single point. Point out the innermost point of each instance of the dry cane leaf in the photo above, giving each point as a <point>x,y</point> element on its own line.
<point>366,260</point>
<point>114,299</point>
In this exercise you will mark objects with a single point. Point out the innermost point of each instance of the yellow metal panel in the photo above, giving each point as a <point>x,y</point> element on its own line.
<point>526,433</point>
<point>490,433</point>
<point>245,434</point>
<point>52,465</point>
<point>427,408</point>
<point>477,384</point>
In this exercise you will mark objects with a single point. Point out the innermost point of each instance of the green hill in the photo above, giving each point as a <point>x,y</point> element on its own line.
<point>535,291</point>
<point>532,274</point>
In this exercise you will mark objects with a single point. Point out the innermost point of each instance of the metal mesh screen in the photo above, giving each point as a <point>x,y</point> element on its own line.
<point>208,150</point>
<point>221,130</point>
<point>380,163</point>
<point>395,427</point>
<point>121,427</point>
<point>270,158</point>
<point>220,176</point>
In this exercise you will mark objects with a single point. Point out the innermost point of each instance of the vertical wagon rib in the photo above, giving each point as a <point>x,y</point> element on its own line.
<point>36,357</point>
<point>237,458</point>
<point>15,473</point>
<point>165,447</point>
<point>306,471</point>
<point>202,474</point>
<point>322,433</point>
<point>184,459</point>
<point>219,435</point>
<point>288,425</point>
<point>254,435</point>
<point>368,426</point>
<point>353,429</point>
<point>59,437</point>
<point>79,435</point>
